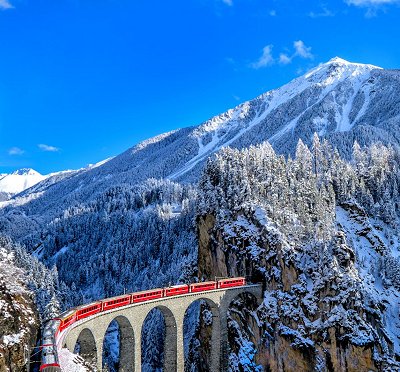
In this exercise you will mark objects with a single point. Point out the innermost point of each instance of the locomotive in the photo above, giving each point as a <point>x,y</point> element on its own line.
<point>54,327</point>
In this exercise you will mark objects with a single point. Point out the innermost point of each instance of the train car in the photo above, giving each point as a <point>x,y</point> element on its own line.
<point>176,290</point>
<point>88,310</point>
<point>231,282</point>
<point>151,294</point>
<point>114,302</point>
<point>203,286</point>
<point>66,319</point>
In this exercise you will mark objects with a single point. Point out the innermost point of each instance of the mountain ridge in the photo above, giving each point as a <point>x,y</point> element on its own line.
<point>338,100</point>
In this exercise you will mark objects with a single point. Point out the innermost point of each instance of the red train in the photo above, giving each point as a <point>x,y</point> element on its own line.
<point>57,325</point>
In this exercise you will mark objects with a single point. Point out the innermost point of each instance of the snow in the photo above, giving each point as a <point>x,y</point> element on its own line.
<point>367,256</point>
<point>71,362</point>
<point>20,180</point>
<point>367,99</point>
<point>98,164</point>
<point>225,129</point>
<point>13,339</point>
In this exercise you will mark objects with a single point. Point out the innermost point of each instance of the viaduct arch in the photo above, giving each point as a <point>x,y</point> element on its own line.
<point>91,331</point>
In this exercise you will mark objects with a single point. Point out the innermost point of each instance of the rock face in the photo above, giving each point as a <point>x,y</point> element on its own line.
<point>326,257</point>
<point>279,348</point>
<point>19,322</point>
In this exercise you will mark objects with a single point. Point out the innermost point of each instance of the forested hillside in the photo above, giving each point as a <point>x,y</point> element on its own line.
<point>321,233</point>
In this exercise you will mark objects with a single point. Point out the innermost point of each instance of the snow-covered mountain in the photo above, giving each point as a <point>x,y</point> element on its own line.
<point>339,100</point>
<point>18,181</point>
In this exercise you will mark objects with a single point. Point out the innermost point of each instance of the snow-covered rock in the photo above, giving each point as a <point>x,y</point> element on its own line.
<point>18,181</point>
<point>19,321</point>
<point>321,234</point>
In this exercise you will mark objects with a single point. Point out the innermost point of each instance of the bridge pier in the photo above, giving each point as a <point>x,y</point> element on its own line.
<point>137,331</point>
<point>99,359</point>
<point>127,344</point>
<point>223,341</point>
<point>180,352</point>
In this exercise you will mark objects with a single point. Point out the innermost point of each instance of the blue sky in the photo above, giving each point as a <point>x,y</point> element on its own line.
<point>83,80</point>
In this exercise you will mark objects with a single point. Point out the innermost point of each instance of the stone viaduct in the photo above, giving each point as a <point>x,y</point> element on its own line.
<point>90,332</point>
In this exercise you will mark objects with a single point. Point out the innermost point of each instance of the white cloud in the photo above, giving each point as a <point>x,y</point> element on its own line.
<point>272,13</point>
<point>266,58</point>
<point>325,12</point>
<point>48,148</point>
<point>370,2</point>
<point>284,59</point>
<point>15,151</point>
<point>5,4</point>
<point>302,50</point>
<point>228,2</point>
<point>372,6</point>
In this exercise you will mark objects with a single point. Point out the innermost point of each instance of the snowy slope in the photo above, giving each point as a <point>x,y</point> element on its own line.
<point>339,100</point>
<point>336,84</point>
<point>19,180</point>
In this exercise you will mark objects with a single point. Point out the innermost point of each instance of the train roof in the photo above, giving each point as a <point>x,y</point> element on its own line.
<point>236,278</point>
<point>177,286</point>
<point>65,314</point>
<point>147,291</point>
<point>50,327</point>
<point>87,305</point>
<point>116,297</point>
<point>210,282</point>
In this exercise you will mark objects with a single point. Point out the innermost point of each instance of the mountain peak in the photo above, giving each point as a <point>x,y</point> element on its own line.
<point>339,60</point>
<point>19,180</point>
<point>342,62</point>
<point>26,172</point>
<point>338,69</point>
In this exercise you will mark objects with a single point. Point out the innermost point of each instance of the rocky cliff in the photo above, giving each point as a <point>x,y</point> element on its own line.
<point>329,304</point>
<point>280,338</point>
<point>19,322</point>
